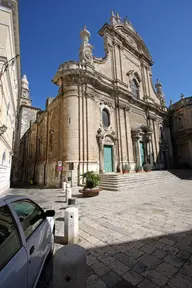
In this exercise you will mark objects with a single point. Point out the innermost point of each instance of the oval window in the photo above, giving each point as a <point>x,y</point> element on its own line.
<point>106,117</point>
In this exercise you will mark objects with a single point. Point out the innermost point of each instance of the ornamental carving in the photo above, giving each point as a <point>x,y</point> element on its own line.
<point>104,137</point>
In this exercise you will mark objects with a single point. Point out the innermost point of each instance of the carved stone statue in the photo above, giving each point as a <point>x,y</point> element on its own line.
<point>86,53</point>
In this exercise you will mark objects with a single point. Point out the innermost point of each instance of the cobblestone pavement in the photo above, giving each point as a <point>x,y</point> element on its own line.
<point>140,238</point>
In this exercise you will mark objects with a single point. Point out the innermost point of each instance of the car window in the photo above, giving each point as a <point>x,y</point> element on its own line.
<point>30,215</point>
<point>9,237</point>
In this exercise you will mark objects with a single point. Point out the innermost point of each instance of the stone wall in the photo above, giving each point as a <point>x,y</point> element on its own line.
<point>181,120</point>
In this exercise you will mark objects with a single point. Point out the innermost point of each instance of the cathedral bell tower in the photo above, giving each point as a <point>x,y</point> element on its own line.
<point>25,95</point>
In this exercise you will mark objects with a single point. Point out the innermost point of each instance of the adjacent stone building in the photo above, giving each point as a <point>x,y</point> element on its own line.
<point>106,114</point>
<point>27,115</point>
<point>9,85</point>
<point>181,120</point>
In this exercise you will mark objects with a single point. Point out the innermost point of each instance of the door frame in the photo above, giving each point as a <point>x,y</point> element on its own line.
<point>142,144</point>
<point>112,157</point>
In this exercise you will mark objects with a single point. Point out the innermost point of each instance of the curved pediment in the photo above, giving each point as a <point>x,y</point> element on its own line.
<point>127,31</point>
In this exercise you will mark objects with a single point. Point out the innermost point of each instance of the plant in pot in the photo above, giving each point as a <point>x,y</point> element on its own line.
<point>126,168</point>
<point>147,167</point>
<point>138,168</point>
<point>91,186</point>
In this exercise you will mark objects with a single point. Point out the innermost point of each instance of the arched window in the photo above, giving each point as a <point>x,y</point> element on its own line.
<point>106,117</point>
<point>3,158</point>
<point>135,88</point>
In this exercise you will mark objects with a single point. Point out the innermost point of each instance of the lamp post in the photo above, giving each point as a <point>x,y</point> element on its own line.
<point>7,64</point>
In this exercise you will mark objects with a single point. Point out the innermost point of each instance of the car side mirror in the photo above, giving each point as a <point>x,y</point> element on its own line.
<point>49,213</point>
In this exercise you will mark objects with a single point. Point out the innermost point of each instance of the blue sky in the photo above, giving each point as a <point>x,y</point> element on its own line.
<point>50,35</point>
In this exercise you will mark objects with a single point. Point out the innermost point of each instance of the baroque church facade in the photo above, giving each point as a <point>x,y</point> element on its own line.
<point>107,113</point>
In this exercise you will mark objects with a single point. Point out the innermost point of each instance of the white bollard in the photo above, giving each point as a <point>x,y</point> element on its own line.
<point>71,228</point>
<point>64,186</point>
<point>69,267</point>
<point>68,194</point>
<point>68,185</point>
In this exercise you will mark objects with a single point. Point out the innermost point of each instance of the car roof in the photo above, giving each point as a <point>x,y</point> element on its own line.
<point>10,198</point>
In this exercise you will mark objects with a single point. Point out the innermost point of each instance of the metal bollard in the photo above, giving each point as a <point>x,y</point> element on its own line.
<point>71,225</point>
<point>69,267</point>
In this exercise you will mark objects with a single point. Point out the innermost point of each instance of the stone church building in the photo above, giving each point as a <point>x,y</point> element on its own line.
<point>107,113</point>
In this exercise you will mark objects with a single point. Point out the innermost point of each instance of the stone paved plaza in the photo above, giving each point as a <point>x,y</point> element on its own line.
<point>138,238</point>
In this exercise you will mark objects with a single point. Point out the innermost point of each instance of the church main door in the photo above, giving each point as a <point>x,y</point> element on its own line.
<point>108,158</point>
<point>142,153</point>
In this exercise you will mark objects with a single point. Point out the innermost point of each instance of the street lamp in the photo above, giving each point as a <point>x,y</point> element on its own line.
<point>7,64</point>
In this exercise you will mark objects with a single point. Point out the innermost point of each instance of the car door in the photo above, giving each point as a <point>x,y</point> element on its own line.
<point>37,233</point>
<point>13,256</point>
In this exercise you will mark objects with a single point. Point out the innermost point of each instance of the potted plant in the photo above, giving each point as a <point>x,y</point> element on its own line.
<point>138,168</point>
<point>147,167</point>
<point>91,186</point>
<point>126,169</point>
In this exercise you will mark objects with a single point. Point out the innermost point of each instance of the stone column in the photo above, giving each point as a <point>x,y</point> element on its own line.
<point>101,156</point>
<point>114,159</point>
<point>137,147</point>
<point>150,151</point>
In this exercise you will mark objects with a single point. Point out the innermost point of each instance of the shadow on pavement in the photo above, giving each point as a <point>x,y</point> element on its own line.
<point>152,262</point>
<point>185,174</point>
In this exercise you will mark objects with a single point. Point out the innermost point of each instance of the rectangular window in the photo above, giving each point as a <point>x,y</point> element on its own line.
<point>30,215</point>
<point>9,238</point>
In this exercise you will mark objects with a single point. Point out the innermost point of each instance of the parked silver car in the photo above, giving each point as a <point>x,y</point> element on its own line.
<point>26,240</point>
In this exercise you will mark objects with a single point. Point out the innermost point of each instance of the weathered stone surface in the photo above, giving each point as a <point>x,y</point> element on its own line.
<point>151,261</point>
<point>133,277</point>
<point>93,281</point>
<point>180,281</point>
<point>100,269</point>
<point>128,261</point>
<point>139,267</point>
<point>111,278</point>
<point>147,284</point>
<point>156,278</point>
<point>119,267</point>
<point>147,249</point>
<point>166,270</point>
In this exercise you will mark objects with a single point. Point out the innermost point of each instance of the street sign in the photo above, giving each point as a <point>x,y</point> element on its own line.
<point>60,164</point>
<point>59,168</point>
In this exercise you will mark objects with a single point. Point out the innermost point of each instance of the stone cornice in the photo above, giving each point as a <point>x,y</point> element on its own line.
<point>74,73</point>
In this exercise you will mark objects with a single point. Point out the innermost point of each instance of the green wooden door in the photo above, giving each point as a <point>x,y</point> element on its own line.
<point>142,153</point>
<point>108,159</point>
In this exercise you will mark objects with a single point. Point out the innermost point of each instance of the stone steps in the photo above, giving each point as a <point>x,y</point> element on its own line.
<point>115,182</point>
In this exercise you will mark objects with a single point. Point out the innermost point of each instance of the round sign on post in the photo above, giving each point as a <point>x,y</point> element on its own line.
<point>60,164</point>
<point>60,168</point>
